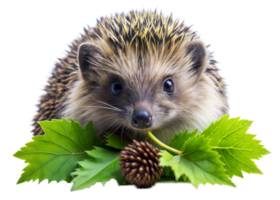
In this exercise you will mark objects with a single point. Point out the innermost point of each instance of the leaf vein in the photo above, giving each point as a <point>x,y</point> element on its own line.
<point>232,131</point>
<point>61,166</point>
<point>226,133</point>
<point>39,167</point>
<point>207,171</point>
<point>240,160</point>
<point>228,164</point>
<point>57,145</point>
<point>214,128</point>
<point>67,137</point>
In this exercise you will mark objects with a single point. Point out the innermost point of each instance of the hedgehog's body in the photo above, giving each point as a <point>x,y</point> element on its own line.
<point>136,73</point>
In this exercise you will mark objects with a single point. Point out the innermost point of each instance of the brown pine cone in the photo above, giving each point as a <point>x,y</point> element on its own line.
<point>139,164</point>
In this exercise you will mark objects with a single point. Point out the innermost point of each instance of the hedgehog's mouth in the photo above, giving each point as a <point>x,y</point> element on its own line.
<point>122,132</point>
<point>118,132</point>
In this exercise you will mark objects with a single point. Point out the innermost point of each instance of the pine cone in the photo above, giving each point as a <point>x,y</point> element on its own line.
<point>139,164</point>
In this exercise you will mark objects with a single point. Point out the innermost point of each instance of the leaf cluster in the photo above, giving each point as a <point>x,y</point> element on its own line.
<point>74,154</point>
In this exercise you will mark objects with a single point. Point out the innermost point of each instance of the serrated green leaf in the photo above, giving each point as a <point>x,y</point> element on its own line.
<point>101,167</point>
<point>54,156</point>
<point>115,141</point>
<point>178,140</point>
<point>236,147</point>
<point>198,162</point>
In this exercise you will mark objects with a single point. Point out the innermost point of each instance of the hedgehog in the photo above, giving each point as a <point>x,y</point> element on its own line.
<point>134,73</point>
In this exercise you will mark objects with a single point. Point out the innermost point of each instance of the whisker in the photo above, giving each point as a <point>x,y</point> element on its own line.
<point>162,134</point>
<point>123,128</point>
<point>100,107</point>
<point>174,128</point>
<point>117,127</point>
<point>106,119</point>
<point>115,130</point>
<point>107,104</point>
<point>80,117</point>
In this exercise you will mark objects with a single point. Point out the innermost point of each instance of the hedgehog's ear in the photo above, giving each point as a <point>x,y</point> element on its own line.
<point>90,59</point>
<point>198,55</point>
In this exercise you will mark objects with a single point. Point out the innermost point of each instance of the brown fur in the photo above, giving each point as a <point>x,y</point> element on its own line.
<point>140,50</point>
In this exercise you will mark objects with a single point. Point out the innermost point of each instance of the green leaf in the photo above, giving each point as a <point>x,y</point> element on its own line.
<point>101,167</point>
<point>198,162</point>
<point>54,156</point>
<point>236,147</point>
<point>115,141</point>
<point>178,140</point>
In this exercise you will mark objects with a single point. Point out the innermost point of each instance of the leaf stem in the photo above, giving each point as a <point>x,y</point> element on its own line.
<point>162,144</point>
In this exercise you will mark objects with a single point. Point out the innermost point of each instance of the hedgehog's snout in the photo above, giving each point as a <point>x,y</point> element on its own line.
<point>141,118</point>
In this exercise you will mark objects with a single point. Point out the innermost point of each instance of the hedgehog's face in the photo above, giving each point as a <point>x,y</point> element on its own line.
<point>133,94</point>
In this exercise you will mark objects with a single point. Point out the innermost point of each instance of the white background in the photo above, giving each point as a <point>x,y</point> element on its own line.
<point>247,44</point>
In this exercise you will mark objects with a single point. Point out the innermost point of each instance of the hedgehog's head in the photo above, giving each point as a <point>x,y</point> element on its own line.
<point>148,80</point>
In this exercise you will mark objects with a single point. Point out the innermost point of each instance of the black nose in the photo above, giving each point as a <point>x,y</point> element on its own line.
<point>141,118</point>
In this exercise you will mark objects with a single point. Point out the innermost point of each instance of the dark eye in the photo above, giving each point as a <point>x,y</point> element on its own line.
<point>168,86</point>
<point>116,88</point>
